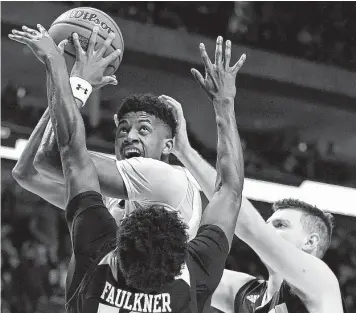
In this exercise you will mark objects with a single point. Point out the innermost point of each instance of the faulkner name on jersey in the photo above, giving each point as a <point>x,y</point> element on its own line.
<point>137,302</point>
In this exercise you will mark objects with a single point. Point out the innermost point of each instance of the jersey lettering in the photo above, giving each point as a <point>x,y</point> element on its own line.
<point>136,302</point>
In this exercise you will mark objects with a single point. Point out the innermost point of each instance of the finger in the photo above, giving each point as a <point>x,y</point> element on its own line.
<point>42,30</point>
<point>170,100</point>
<point>78,48</point>
<point>62,45</point>
<point>207,63</point>
<point>227,54</point>
<point>109,80</point>
<point>23,34</point>
<point>30,30</point>
<point>199,78</point>
<point>92,40</point>
<point>239,63</point>
<point>174,104</point>
<point>111,57</point>
<point>20,39</point>
<point>106,45</point>
<point>218,51</point>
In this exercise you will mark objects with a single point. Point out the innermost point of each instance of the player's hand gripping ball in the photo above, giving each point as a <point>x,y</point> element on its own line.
<point>82,21</point>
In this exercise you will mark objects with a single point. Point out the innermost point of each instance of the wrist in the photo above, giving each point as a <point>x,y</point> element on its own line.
<point>54,59</point>
<point>81,89</point>
<point>182,149</point>
<point>223,99</point>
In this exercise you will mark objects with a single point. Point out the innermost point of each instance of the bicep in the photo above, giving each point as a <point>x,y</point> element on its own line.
<point>111,182</point>
<point>222,211</point>
<point>224,296</point>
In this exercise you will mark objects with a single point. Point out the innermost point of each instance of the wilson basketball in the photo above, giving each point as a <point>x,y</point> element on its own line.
<point>82,21</point>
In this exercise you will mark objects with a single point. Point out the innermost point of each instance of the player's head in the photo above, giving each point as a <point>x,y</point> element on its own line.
<point>304,225</point>
<point>151,248</point>
<point>145,127</point>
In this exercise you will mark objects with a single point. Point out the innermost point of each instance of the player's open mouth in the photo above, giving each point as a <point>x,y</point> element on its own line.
<point>132,153</point>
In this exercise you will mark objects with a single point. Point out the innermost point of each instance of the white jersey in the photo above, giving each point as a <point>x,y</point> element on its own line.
<point>149,182</point>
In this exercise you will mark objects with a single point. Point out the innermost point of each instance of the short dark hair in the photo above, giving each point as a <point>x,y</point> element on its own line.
<point>150,104</point>
<point>313,220</point>
<point>151,246</point>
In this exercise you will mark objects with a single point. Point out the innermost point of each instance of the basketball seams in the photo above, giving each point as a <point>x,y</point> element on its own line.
<point>97,11</point>
<point>87,28</point>
<point>109,18</point>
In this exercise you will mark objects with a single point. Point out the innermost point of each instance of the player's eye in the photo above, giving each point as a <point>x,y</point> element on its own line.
<point>144,129</point>
<point>123,130</point>
<point>278,224</point>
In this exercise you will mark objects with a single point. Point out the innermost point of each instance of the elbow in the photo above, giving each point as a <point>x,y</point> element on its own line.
<point>20,176</point>
<point>39,162</point>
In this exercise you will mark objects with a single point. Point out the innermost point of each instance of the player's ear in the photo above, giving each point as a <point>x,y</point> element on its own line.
<point>168,146</point>
<point>116,120</point>
<point>312,242</point>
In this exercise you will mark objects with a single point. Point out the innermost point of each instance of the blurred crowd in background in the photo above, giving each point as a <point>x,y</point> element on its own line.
<point>323,31</point>
<point>35,244</point>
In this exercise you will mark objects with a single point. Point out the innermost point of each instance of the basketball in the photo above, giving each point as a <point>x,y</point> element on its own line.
<point>82,21</point>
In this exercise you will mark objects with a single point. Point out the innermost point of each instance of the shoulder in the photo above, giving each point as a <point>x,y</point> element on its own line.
<point>143,162</point>
<point>148,166</point>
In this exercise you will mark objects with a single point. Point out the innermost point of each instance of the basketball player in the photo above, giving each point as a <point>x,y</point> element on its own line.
<point>291,244</point>
<point>144,139</point>
<point>145,264</point>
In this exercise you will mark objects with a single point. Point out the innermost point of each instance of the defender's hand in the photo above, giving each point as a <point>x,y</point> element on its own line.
<point>181,140</point>
<point>219,81</point>
<point>90,65</point>
<point>39,41</point>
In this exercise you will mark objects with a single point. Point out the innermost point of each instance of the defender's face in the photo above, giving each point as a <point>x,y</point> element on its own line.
<point>140,135</point>
<point>287,224</point>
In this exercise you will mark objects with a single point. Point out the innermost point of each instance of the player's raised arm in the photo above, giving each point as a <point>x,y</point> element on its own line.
<point>24,171</point>
<point>219,84</point>
<point>47,159</point>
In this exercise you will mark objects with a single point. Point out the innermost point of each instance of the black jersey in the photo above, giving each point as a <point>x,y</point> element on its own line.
<point>249,299</point>
<point>91,286</point>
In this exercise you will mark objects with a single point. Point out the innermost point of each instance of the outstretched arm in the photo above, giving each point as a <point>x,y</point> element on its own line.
<point>219,83</point>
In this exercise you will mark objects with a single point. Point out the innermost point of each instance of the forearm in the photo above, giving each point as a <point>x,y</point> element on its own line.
<point>48,160</point>
<point>201,170</point>
<point>62,106</point>
<point>230,165</point>
<point>24,167</point>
